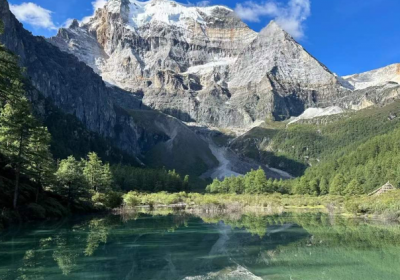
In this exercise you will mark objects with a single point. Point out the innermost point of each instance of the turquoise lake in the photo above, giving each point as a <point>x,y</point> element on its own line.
<point>184,246</point>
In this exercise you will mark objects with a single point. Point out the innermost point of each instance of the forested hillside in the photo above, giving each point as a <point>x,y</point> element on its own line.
<point>297,146</point>
<point>350,154</point>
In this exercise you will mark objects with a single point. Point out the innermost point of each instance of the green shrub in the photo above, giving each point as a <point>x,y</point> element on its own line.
<point>109,200</point>
<point>131,199</point>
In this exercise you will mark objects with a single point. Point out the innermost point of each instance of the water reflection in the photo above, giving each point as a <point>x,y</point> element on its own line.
<point>167,245</point>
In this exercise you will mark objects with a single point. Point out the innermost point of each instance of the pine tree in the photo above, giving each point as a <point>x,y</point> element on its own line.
<point>354,188</point>
<point>214,187</point>
<point>239,185</point>
<point>338,184</point>
<point>41,164</point>
<point>249,179</point>
<point>323,186</point>
<point>301,186</point>
<point>93,171</point>
<point>17,127</point>
<point>71,181</point>
<point>186,186</point>
<point>106,179</point>
<point>260,181</point>
<point>313,187</point>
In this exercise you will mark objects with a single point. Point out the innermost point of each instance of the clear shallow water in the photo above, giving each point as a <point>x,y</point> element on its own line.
<point>181,246</point>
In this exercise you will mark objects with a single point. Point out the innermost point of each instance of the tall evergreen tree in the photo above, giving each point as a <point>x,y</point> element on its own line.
<point>338,184</point>
<point>41,164</point>
<point>98,176</point>
<point>323,186</point>
<point>249,179</point>
<point>185,186</point>
<point>354,188</point>
<point>22,139</point>
<point>17,127</point>
<point>71,182</point>
<point>260,181</point>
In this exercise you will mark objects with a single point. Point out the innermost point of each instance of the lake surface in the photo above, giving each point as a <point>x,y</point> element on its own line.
<point>183,246</point>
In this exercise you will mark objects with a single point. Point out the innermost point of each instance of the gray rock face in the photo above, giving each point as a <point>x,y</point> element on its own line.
<point>282,77</point>
<point>146,52</point>
<point>201,64</point>
<point>113,113</point>
<point>204,64</point>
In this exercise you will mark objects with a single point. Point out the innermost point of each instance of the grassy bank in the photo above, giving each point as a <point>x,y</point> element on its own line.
<point>385,206</point>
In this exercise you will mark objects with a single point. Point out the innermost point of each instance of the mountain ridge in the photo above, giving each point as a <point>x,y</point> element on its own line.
<point>203,64</point>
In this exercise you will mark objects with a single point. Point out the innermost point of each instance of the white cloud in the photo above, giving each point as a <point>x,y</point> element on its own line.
<point>290,17</point>
<point>97,4</point>
<point>34,15</point>
<point>68,23</point>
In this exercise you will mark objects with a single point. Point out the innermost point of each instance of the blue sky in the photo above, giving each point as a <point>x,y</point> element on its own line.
<point>348,36</point>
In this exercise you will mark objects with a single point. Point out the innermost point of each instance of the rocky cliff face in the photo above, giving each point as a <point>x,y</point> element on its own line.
<point>77,89</point>
<point>204,64</point>
<point>200,64</point>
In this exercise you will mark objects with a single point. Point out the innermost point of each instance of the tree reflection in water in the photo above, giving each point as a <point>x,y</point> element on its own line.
<point>167,245</point>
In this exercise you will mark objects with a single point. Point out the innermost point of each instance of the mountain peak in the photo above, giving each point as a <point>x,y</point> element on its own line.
<point>273,28</point>
<point>74,24</point>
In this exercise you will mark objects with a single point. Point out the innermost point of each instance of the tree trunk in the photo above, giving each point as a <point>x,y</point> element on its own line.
<point>69,196</point>
<point>16,190</point>
<point>18,170</point>
<point>39,188</point>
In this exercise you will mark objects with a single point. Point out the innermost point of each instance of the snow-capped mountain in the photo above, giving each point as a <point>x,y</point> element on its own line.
<point>204,64</point>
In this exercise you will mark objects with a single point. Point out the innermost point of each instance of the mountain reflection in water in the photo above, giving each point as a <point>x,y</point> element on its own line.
<point>168,245</point>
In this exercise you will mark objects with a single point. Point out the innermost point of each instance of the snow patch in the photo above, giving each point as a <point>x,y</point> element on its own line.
<point>114,7</point>
<point>312,113</point>
<point>209,67</point>
<point>376,77</point>
<point>168,12</point>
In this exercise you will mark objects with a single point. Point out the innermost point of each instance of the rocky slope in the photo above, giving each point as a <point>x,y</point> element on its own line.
<point>76,89</point>
<point>203,64</point>
<point>378,77</point>
<point>200,64</point>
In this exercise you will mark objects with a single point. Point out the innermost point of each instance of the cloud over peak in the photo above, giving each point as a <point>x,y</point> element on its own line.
<point>290,17</point>
<point>34,15</point>
<point>97,4</point>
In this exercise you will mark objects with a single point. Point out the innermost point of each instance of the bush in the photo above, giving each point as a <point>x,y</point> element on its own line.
<point>109,200</point>
<point>131,199</point>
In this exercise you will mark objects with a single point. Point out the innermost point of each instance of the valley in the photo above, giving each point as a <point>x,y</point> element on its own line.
<point>167,140</point>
